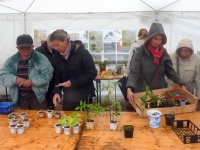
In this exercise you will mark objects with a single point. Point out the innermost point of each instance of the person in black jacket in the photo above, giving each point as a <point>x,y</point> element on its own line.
<point>47,50</point>
<point>75,71</point>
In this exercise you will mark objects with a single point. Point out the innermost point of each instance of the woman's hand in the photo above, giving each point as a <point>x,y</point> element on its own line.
<point>130,94</point>
<point>184,87</point>
<point>66,84</point>
<point>56,99</point>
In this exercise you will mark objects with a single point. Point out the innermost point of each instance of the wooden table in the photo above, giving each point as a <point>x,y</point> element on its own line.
<point>39,136</point>
<point>144,138</point>
<point>98,80</point>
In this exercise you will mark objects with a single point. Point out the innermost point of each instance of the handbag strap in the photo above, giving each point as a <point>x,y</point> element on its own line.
<point>155,72</point>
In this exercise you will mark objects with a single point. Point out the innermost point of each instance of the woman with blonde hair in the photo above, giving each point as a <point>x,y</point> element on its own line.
<point>75,71</point>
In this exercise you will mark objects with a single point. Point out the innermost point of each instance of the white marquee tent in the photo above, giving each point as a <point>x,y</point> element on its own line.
<point>180,18</point>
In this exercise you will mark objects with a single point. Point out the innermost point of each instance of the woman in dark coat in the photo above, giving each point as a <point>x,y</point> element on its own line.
<point>151,63</point>
<point>47,50</point>
<point>75,71</point>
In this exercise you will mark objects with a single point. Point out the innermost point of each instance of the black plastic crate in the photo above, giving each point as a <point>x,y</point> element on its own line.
<point>187,131</point>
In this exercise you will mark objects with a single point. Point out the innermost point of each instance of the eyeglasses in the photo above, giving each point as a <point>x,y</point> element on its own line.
<point>186,51</point>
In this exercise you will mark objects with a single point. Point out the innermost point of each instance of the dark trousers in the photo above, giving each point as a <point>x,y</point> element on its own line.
<point>32,103</point>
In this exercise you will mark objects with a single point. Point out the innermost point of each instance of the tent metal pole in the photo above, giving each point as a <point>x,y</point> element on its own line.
<point>11,8</point>
<point>25,23</point>
<point>156,16</point>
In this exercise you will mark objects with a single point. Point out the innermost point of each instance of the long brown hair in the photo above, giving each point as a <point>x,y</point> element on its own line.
<point>142,33</point>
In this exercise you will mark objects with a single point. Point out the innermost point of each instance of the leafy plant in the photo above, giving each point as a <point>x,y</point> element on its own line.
<point>115,105</point>
<point>58,107</point>
<point>149,98</point>
<point>96,109</point>
<point>102,63</point>
<point>69,121</point>
<point>128,127</point>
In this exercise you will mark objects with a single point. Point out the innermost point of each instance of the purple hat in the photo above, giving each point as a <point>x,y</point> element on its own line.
<point>24,40</point>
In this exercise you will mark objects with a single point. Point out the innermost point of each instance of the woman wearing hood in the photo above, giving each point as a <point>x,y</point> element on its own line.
<point>188,66</point>
<point>151,63</point>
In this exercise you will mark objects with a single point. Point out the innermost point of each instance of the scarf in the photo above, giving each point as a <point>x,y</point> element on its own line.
<point>67,51</point>
<point>157,52</point>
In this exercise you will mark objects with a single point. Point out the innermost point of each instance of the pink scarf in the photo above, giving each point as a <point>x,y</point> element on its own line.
<point>157,53</point>
<point>67,51</point>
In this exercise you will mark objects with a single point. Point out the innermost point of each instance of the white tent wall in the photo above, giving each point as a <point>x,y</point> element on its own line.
<point>177,25</point>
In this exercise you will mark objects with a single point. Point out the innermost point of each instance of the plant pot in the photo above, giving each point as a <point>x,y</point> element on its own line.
<point>20,128</point>
<point>102,68</point>
<point>49,113</point>
<point>10,118</point>
<point>76,129</point>
<point>67,130</point>
<point>22,115</point>
<point>128,131</point>
<point>12,115</point>
<point>90,124</point>
<point>58,128</point>
<point>113,125</point>
<point>182,102</point>
<point>57,114</point>
<point>168,119</point>
<point>14,121</point>
<point>13,129</point>
<point>26,122</point>
<point>41,114</point>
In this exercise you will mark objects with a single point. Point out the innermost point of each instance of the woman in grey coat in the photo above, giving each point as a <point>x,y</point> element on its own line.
<point>151,63</point>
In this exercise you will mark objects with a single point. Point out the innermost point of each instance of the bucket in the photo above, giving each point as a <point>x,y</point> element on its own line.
<point>154,118</point>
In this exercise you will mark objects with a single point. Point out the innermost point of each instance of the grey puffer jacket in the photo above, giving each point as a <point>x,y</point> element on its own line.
<point>142,66</point>
<point>189,69</point>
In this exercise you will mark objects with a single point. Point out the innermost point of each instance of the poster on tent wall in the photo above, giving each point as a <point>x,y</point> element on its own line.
<point>40,35</point>
<point>96,41</point>
<point>128,37</point>
<point>74,36</point>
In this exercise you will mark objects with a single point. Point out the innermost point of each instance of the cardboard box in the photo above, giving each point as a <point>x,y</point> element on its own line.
<point>191,107</point>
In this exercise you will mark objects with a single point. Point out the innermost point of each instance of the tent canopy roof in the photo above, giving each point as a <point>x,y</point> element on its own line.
<point>95,6</point>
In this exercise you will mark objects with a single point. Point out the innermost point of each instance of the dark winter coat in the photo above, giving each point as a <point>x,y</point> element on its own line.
<point>79,69</point>
<point>45,51</point>
<point>142,66</point>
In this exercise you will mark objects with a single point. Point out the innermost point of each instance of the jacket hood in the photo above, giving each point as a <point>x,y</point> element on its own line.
<point>155,29</point>
<point>184,43</point>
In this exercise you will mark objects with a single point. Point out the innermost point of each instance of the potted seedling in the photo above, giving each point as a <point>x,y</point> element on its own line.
<point>102,65</point>
<point>13,129</point>
<point>128,131</point>
<point>26,122</point>
<point>49,112</point>
<point>150,100</point>
<point>94,109</point>
<point>41,113</point>
<point>58,111</point>
<point>58,126</point>
<point>169,118</point>
<point>67,122</point>
<point>20,128</point>
<point>115,107</point>
<point>76,122</point>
